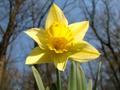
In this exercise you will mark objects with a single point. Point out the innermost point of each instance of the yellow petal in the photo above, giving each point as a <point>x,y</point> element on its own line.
<point>79,29</point>
<point>61,65</point>
<point>37,56</point>
<point>36,34</point>
<point>55,14</point>
<point>60,62</point>
<point>84,52</point>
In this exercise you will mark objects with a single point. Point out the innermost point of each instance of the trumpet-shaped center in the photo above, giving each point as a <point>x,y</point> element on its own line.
<point>60,44</point>
<point>60,37</point>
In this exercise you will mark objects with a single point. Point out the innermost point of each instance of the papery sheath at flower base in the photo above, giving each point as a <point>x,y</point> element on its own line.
<point>58,41</point>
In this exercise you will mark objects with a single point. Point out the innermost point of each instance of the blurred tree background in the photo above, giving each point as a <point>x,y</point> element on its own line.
<point>17,16</point>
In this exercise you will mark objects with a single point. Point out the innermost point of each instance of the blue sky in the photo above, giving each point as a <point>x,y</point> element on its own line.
<point>24,44</point>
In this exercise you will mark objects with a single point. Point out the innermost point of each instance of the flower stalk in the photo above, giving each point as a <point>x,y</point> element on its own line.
<point>58,79</point>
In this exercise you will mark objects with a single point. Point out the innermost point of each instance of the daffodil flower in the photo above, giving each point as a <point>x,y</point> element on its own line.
<point>58,41</point>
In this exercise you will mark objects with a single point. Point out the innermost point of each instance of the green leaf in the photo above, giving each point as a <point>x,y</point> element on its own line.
<point>38,78</point>
<point>77,80</point>
<point>89,85</point>
<point>97,76</point>
<point>81,80</point>
<point>72,83</point>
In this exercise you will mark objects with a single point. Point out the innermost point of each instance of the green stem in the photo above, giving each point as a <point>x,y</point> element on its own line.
<point>58,80</point>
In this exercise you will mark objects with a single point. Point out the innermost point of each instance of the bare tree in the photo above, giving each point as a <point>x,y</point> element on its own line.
<point>17,15</point>
<point>102,26</point>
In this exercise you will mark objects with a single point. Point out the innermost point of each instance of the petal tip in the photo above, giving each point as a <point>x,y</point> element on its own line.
<point>60,69</point>
<point>27,62</point>
<point>25,32</point>
<point>54,5</point>
<point>98,53</point>
<point>87,23</point>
